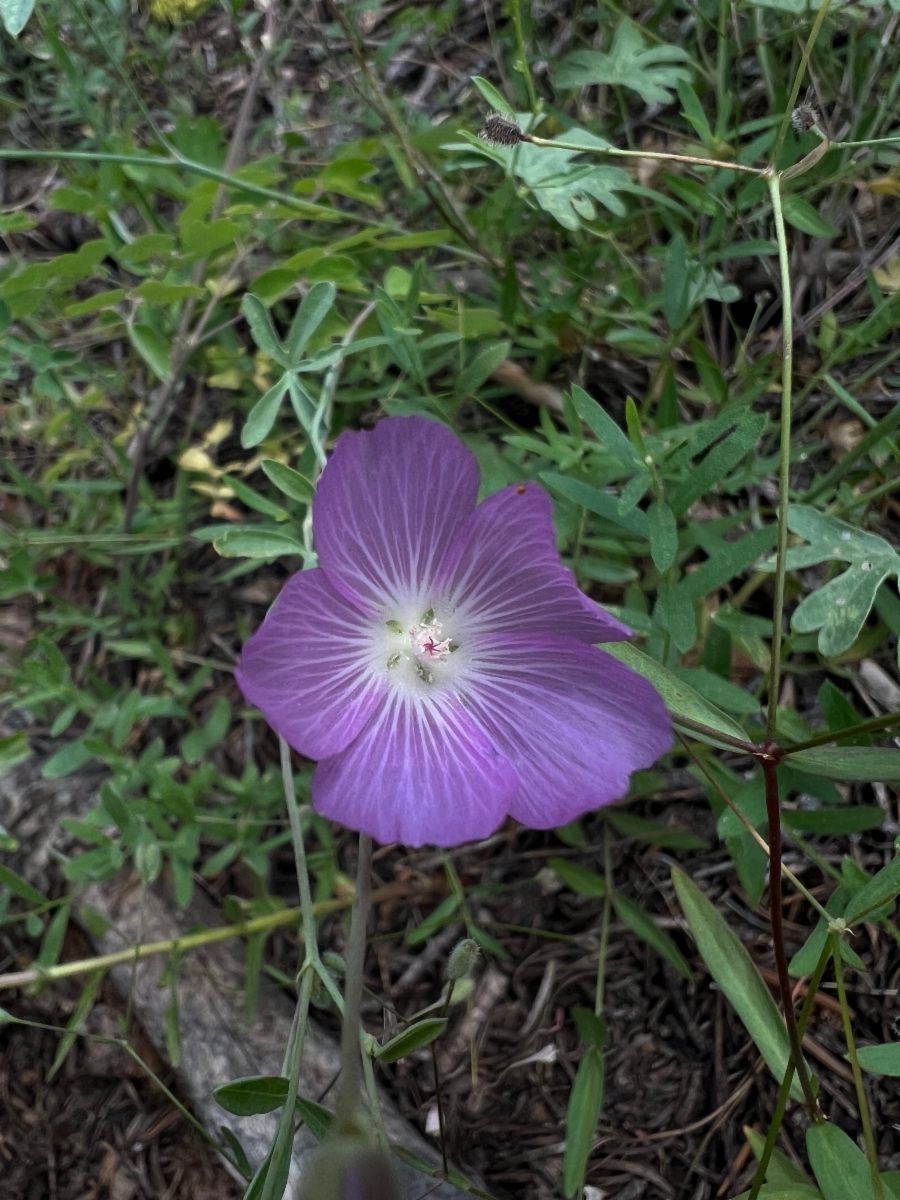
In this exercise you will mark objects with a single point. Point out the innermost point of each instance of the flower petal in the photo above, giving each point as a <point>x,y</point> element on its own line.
<point>309,667</point>
<point>388,506</point>
<point>573,721</point>
<point>503,574</point>
<point>420,773</point>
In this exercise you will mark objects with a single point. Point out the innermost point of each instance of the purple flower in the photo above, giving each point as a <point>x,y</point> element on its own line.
<point>439,663</point>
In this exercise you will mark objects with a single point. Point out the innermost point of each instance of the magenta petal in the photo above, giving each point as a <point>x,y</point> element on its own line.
<point>388,506</point>
<point>573,721</point>
<point>503,574</point>
<point>309,667</point>
<point>420,773</point>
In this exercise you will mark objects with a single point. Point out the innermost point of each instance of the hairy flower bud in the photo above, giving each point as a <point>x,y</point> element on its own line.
<point>347,1168</point>
<point>462,959</point>
<point>500,131</point>
<point>804,117</point>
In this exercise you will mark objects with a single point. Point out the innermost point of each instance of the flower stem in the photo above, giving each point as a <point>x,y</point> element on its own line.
<point>769,763</point>
<point>346,1119</point>
<point>523,64</point>
<point>871,1148</point>
<point>784,458</point>
<point>785,1090</point>
<point>656,155</point>
<point>607,917</point>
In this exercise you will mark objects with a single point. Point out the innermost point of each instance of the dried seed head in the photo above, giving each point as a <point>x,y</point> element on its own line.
<point>462,959</point>
<point>500,131</point>
<point>804,117</point>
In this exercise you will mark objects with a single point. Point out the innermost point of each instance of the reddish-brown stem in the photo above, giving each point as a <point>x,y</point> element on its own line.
<point>769,757</point>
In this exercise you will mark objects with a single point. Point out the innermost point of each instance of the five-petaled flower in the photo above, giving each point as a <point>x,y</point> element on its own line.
<point>440,662</point>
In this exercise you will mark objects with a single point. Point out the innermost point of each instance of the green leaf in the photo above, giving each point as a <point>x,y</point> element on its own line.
<point>20,887</point>
<point>253,1095</point>
<point>591,1027</point>
<point>493,97</point>
<point>312,311</point>
<point>782,1191</point>
<point>722,458</point>
<point>681,699</point>
<point>782,1172</point>
<point>15,14</point>
<point>721,692</point>
<point>14,749</point>
<point>480,369</point>
<point>585,1106</point>
<point>651,72</point>
<point>70,758</point>
<point>737,976</point>
<point>599,502</point>
<point>76,1021</point>
<point>801,214</point>
<point>604,428</point>
<point>856,764</point>
<point>646,928</point>
<point>435,920</point>
<point>156,292</point>
<point>880,1060</point>
<point>423,1033</point>
<point>263,413</point>
<point>834,822</point>
<point>582,881</point>
<point>676,282</point>
<point>840,1167</point>
<point>663,535</point>
<point>260,322</point>
<point>256,543</point>
<point>289,481</point>
<point>317,1118</point>
<point>882,889</point>
<point>51,946</point>
<point>630,825</point>
<point>154,349</point>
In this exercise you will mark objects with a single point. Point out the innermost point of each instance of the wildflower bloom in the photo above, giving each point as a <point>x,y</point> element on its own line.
<point>439,664</point>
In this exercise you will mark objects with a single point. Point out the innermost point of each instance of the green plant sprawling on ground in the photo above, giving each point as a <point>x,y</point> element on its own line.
<point>647,258</point>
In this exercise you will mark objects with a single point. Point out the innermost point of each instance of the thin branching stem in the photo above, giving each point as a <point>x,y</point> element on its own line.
<point>862,1099</point>
<point>785,1090</point>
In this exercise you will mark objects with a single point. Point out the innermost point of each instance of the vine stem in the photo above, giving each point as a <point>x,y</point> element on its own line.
<point>769,762</point>
<point>656,155</point>
<point>869,1136</point>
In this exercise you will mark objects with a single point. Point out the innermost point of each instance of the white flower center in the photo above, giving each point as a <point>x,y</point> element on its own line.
<point>417,652</point>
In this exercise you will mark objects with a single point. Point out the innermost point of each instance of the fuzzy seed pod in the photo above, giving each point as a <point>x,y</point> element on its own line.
<point>804,117</point>
<point>500,131</point>
<point>462,960</point>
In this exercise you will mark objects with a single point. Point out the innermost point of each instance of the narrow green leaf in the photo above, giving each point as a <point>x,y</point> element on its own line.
<point>882,889</point>
<point>738,977</point>
<point>711,470</point>
<point>654,832</point>
<point>604,428</point>
<point>312,311</point>
<point>858,764</point>
<point>289,481</point>
<point>834,822</point>
<point>801,214</point>
<point>252,1095</point>
<point>154,349</point>
<point>681,699</point>
<point>880,1060</point>
<point>257,543</point>
<point>585,1106</point>
<point>435,920</point>
<point>604,504</point>
<point>51,946</point>
<point>66,760</point>
<point>317,1118</point>
<point>646,928</point>
<point>782,1172</point>
<point>497,101</point>
<point>423,1033</point>
<point>260,321</point>
<point>20,887</point>
<point>663,535</point>
<point>76,1021</point>
<point>591,1028</point>
<point>480,369</point>
<point>840,1167</point>
<point>15,14</point>
<point>582,881</point>
<point>263,413</point>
